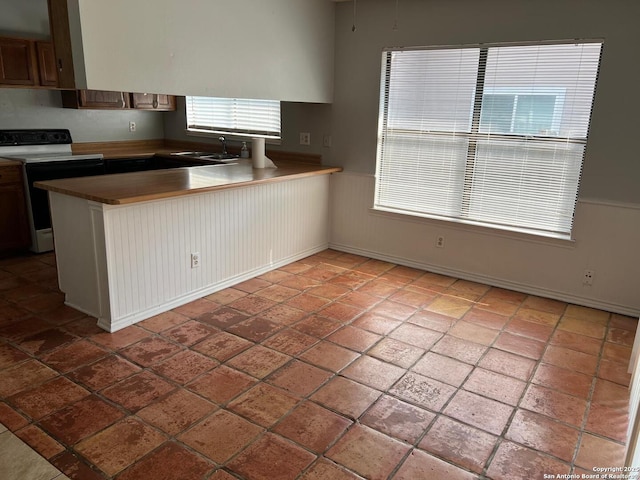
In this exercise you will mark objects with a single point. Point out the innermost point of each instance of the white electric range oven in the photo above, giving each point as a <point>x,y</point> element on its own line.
<point>45,155</point>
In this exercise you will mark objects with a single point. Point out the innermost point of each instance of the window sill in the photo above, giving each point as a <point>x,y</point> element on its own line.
<point>230,136</point>
<point>539,237</point>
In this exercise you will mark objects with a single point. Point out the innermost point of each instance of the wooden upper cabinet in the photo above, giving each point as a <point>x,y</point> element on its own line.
<point>47,64</point>
<point>99,99</point>
<point>95,99</point>
<point>26,62</point>
<point>17,62</point>
<point>102,99</point>
<point>153,101</point>
<point>61,36</point>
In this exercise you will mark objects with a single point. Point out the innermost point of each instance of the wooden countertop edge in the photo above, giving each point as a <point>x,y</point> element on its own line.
<point>179,193</point>
<point>5,162</point>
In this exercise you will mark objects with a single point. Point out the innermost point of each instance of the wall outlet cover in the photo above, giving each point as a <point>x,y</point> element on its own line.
<point>305,138</point>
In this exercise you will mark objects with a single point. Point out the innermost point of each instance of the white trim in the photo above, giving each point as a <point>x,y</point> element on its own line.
<point>496,44</point>
<point>99,246</point>
<point>609,203</point>
<point>493,281</point>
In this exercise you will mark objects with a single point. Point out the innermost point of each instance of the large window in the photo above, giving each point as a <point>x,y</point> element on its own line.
<point>243,117</point>
<point>490,135</point>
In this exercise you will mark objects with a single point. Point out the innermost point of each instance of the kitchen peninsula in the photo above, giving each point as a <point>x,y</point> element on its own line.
<point>130,246</point>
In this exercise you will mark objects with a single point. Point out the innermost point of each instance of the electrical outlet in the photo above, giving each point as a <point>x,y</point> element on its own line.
<point>588,277</point>
<point>305,138</point>
<point>132,126</point>
<point>326,141</point>
<point>440,241</point>
<point>195,260</point>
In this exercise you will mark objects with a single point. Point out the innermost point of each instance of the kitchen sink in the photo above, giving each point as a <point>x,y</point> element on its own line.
<point>207,155</point>
<point>193,154</point>
<point>221,156</point>
<point>127,165</point>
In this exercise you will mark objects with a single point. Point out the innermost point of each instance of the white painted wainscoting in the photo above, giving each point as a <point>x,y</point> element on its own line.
<point>125,263</point>
<point>606,241</point>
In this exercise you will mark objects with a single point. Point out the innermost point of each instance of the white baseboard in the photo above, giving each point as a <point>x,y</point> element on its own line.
<point>495,282</point>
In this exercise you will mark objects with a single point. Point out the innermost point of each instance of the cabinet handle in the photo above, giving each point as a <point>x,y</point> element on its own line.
<point>59,64</point>
<point>155,100</point>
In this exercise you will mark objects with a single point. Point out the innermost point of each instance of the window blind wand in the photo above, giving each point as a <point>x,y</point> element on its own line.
<point>353,27</point>
<point>395,22</point>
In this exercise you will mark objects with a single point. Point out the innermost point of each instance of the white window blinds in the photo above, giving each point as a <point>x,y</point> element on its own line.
<point>490,135</point>
<point>245,117</point>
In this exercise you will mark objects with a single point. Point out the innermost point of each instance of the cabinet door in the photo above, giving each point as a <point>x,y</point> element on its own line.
<point>16,62</point>
<point>61,36</point>
<point>167,102</point>
<point>103,99</point>
<point>47,64</point>
<point>153,101</point>
<point>14,227</point>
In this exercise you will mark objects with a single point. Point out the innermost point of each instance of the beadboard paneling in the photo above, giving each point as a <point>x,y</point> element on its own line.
<point>239,233</point>
<point>236,232</point>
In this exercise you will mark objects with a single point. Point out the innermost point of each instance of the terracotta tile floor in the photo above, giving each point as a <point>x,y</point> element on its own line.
<point>333,367</point>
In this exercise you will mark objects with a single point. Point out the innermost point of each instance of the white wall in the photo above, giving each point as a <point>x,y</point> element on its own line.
<point>607,224</point>
<point>32,108</point>
<point>275,49</point>
<point>24,18</point>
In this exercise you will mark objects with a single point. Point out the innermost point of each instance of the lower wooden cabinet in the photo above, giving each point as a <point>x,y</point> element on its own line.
<point>14,226</point>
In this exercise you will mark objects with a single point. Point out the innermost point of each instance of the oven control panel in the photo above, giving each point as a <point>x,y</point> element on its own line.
<point>34,137</point>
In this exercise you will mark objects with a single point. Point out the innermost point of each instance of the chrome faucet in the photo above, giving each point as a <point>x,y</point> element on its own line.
<point>224,145</point>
